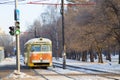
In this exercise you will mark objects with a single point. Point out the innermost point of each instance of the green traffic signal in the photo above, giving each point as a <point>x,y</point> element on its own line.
<point>17,29</point>
<point>11,30</point>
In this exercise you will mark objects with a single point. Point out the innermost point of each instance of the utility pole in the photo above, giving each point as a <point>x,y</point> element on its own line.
<point>16,15</point>
<point>63,41</point>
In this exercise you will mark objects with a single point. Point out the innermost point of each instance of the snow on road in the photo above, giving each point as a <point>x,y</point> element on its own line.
<point>108,66</point>
<point>15,75</point>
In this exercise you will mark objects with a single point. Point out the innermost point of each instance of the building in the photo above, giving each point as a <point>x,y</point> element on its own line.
<point>1,53</point>
<point>1,31</point>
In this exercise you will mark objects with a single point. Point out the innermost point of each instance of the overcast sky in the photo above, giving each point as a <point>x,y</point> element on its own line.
<point>28,14</point>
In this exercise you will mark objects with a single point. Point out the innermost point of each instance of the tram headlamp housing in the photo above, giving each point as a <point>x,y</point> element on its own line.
<point>41,58</point>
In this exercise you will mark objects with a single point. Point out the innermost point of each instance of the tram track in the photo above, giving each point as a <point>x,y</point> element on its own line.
<point>69,76</point>
<point>38,74</point>
<point>53,73</point>
<point>46,74</point>
<point>109,75</point>
<point>78,68</point>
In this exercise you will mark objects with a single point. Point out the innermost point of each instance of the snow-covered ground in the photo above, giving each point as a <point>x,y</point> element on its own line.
<point>106,66</point>
<point>8,61</point>
<point>15,75</point>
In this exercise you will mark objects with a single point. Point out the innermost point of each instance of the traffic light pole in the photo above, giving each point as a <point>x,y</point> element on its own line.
<point>17,43</point>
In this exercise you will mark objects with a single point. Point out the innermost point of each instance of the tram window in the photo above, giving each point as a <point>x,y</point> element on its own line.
<point>35,48</point>
<point>45,48</point>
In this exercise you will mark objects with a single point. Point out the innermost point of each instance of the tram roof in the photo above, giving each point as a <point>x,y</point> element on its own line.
<point>38,40</point>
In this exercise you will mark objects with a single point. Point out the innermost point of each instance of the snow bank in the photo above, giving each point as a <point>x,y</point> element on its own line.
<point>17,75</point>
<point>8,61</point>
<point>20,76</point>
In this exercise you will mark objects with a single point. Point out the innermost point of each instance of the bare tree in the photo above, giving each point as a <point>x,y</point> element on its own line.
<point>7,42</point>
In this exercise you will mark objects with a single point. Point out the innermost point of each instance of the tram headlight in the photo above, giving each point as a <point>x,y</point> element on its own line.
<point>41,58</point>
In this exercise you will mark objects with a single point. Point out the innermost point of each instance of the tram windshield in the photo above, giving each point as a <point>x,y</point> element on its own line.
<point>38,48</point>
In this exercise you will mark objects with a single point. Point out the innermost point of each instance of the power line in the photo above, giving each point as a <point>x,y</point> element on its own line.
<point>8,2</point>
<point>40,0</point>
<point>69,4</point>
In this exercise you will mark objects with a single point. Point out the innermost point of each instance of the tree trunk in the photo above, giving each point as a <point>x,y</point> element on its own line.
<point>84,56</point>
<point>79,56</point>
<point>119,57</point>
<point>100,59</point>
<point>91,55</point>
<point>108,55</point>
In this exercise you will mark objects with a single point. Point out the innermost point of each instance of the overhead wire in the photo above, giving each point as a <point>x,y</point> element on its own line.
<point>9,2</point>
<point>69,4</point>
<point>39,2</point>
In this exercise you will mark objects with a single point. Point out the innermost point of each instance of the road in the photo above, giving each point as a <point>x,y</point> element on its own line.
<point>8,67</point>
<point>37,73</point>
<point>6,70</point>
<point>52,74</point>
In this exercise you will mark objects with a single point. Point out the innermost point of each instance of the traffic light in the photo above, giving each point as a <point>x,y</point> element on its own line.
<point>11,30</point>
<point>17,28</point>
